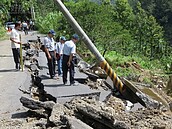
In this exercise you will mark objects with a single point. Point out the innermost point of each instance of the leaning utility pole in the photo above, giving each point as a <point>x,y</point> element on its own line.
<point>126,91</point>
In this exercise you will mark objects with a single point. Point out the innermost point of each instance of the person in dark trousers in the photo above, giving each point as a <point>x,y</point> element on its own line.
<point>25,27</point>
<point>69,50</point>
<point>15,45</point>
<point>49,45</point>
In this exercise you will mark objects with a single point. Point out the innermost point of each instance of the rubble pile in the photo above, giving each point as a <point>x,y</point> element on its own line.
<point>84,111</point>
<point>89,113</point>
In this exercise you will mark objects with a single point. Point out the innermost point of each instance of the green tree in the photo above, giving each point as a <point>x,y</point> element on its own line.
<point>162,11</point>
<point>111,27</point>
<point>123,13</point>
<point>98,22</point>
<point>148,34</point>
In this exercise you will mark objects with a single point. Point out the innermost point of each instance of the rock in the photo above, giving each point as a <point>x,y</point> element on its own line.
<point>34,104</point>
<point>83,65</point>
<point>57,111</point>
<point>91,76</point>
<point>159,127</point>
<point>169,84</point>
<point>33,67</point>
<point>40,113</point>
<point>170,106</point>
<point>74,123</point>
<point>104,118</point>
<point>120,125</point>
<point>99,72</point>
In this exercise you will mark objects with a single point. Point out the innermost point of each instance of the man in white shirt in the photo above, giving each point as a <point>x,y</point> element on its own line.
<point>68,63</point>
<point>15,44</point>
<point>25,27</point>
<point>59,53</point>
<point>50,52</point>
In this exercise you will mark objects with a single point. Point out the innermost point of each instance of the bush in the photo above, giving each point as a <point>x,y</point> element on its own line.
<point>2,31</point>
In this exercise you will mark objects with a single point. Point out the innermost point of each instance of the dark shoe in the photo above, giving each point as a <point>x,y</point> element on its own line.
<point>51,77</point>
<point>17,66</point>
<point>65,83</point>
<point>60,75</point>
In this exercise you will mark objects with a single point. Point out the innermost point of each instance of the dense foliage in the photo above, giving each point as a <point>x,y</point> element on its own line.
<point>126,27</point>
<point>112,27</point>
<point>5,6</point>
<point>162,11</point>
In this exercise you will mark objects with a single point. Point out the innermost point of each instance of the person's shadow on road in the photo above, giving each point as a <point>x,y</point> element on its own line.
<point>56,85</point>
<point>20,115</point>
<point>8,70</point>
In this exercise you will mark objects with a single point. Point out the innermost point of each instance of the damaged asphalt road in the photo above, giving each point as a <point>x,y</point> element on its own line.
<point>88,105</point>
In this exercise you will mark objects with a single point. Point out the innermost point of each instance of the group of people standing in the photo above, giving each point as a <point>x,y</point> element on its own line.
<point>27,25</point>
<point>63,52</point>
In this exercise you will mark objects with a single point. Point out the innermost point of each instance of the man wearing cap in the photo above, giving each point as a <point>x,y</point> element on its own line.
<point>68,63</point>
<point>49,44</point>
<point>59,53</point>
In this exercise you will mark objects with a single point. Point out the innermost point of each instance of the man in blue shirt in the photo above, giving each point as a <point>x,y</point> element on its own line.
<point>49,44</point>
<point>69,50</point>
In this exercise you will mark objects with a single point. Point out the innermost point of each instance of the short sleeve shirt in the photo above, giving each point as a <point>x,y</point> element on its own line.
<point>24,24</point>
<point>59,48</point>
<point>49,43</point>
<point>16,37</point>
<point>69,48</point>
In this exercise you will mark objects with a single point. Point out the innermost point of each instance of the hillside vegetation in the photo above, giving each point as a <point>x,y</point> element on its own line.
<point>121,30</point>
<point>114,28</point>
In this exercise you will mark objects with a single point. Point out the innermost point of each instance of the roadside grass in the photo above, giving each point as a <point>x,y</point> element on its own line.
<point>4,37</point>
<point>3,34</point>
<point>122,65</point>
<point>116,59</point>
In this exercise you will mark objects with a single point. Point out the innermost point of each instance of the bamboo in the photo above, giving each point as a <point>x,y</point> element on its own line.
<point>21,56</point>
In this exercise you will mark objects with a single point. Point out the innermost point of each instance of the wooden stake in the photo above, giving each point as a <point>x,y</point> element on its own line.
<point>21,56</point>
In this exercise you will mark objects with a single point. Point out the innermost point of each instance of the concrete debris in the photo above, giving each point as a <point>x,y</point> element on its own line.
<point>86,111</point>
<point>74,123</point>
<point>57,111</point>
<point>34,104</point>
